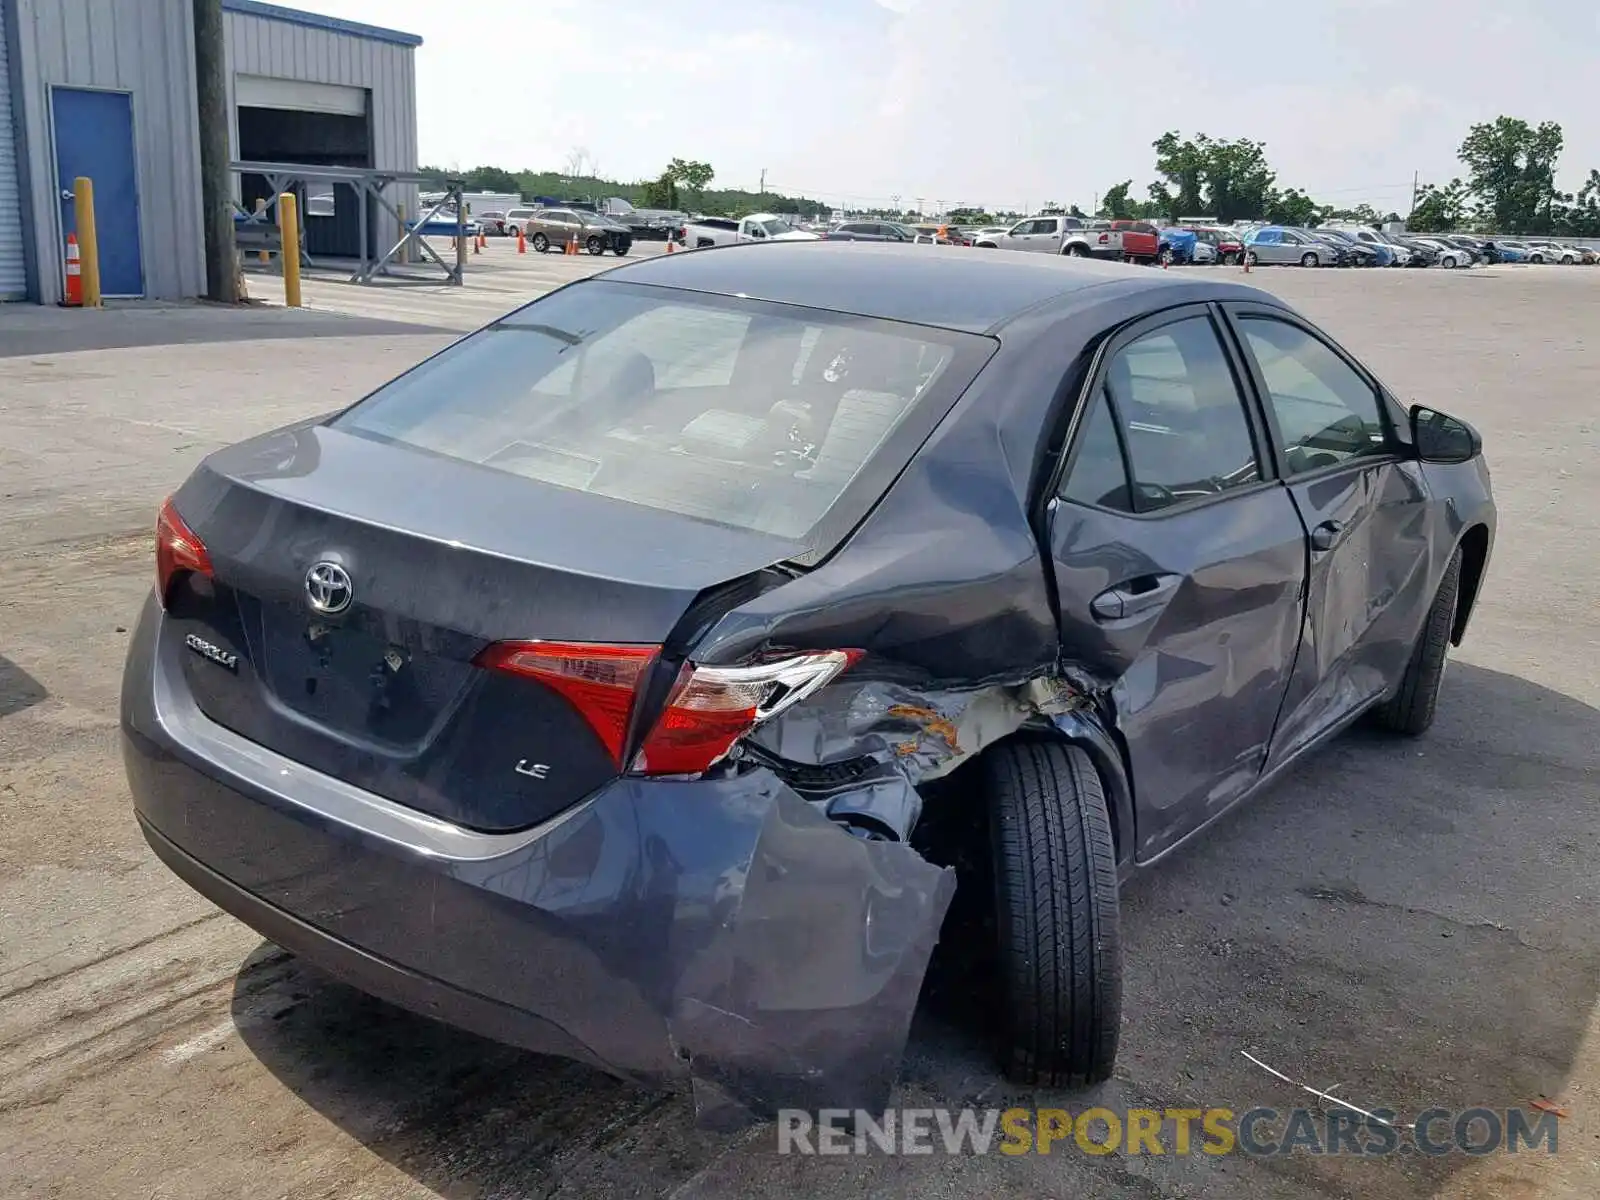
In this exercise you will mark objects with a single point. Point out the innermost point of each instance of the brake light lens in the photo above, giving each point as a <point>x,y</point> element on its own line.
<point>599,681</point>
<point>711,708</point>
<point>708,710</point>
<point>178,551</point>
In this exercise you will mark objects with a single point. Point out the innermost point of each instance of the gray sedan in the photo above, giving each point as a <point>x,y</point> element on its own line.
<point>589,684</point>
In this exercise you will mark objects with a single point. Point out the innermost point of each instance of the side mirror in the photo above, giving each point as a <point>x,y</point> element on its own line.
<point>1441,438</point>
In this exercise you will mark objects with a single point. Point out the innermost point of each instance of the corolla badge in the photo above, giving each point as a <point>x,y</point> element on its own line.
<point>328,588</point>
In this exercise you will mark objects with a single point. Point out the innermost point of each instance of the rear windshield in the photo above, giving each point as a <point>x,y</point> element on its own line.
<point>759,416</point>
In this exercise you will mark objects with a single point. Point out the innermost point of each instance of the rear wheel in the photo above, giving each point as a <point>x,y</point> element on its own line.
<point>1056,915</point>
<point>1252,258</point>
<point>1410,710</point>
<point>596,245</point>
<point>1229,258</point>
<point>1308,259</point>
<point>1075,250</point>
<point>541,243</point>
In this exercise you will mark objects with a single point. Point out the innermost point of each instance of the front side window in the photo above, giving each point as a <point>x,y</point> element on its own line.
<point>1172,397</point>
<point>732,412</point>
<point>1326,412</point>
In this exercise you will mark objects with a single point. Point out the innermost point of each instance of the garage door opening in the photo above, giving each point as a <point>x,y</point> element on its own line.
<point>323,131</point>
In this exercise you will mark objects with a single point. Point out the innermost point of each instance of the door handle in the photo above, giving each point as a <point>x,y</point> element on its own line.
<point>1326,536</point>
<point>68,194</point>
<point>1134,597</point>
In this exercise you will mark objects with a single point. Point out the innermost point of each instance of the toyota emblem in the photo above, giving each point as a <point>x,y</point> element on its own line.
<point>328,588</point>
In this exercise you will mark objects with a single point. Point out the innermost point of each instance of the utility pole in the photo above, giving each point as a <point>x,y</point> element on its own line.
<point>763,181</point>
<point>1415,176</point>
<point>216,180</point>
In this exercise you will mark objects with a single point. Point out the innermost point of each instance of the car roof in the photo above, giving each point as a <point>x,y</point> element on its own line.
<point>946,286</point>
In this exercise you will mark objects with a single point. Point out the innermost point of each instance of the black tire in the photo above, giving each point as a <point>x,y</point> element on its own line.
<point>1310,259</point>
<point>1229,259</point>
<point>1252,258</point>
<point>1167,257</point>
<point>1056,915</point>
<point>595,245</point>
<point>1076,250</point>
<point>1410,710</point>
<point>620,251</point>
<point>541,243</point>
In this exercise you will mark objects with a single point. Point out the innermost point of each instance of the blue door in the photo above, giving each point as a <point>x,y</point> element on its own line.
<point>94,138</point>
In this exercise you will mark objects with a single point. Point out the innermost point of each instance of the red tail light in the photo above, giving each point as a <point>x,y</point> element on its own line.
<point>178,551</point>
<point>707,711</point>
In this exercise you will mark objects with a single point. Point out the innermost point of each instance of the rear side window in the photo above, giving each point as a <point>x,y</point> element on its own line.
<point>1170,409</point>
<point>731,411</point>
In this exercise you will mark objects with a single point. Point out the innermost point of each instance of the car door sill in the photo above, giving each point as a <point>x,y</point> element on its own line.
<point>1266,779</point>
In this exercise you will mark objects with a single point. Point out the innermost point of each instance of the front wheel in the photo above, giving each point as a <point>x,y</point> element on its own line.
<point>1252,259</point>
<point>1308,259</point>
<point>595,245</point>
<point>1229,259</point>
<point>1411,709</point>
<point>1167,258</point>
<point>1056,915</point>
<point>541,243</point>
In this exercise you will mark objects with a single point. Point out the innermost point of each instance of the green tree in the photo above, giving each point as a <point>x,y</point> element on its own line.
<point>1438,209</point>
<point>1228,178</point>
<point>492,179</point>
<point>1361,214</point>
<point>1291,207</point>
<point>691,174</point>
<point>1511,171</point>
<point>1116,203</point>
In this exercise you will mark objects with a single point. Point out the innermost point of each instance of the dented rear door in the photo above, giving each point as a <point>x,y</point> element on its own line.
<point>1180,568</point>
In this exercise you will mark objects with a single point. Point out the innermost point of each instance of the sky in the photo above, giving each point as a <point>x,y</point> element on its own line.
<point>1006,103</point>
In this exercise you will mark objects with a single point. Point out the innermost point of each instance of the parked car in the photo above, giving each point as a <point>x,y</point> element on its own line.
<point>1228,245</point>
<point>1183,246</point>
<point>1449,254</point>
<point>557,227</point>
<point>1399,252</point>
<point>871,231</point>
<point>988,233</point>
<point>1281,244</point>
<point>1422,253</point>
<point>516,220</point>
<point>1550,252</point>
<point>704,232</point>
<point>492,222</point>
<point>1498,251</point>
<point>1076,237</point>
<point>1356,253</point>
<point>503,692</point>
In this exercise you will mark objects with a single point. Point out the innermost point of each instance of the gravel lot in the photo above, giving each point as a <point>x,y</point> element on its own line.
<point>1414,922</point>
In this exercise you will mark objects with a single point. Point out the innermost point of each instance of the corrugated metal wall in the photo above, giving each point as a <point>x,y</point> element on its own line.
<point>288,50</point>
<point>141,46</point>
<point>13,261</point>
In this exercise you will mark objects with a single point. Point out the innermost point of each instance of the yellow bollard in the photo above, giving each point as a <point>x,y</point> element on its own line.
<point>88,243</point>
<point>405,250</point>
<point>289,231</point>
<point>261,207</point>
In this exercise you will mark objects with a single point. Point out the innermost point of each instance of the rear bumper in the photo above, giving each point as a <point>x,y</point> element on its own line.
<point>719,932</point>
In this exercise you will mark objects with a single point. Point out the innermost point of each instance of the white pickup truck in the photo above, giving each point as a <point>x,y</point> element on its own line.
<point>724,231</point>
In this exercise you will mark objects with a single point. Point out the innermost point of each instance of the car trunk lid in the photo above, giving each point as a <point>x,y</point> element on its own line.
<point>355,584</point>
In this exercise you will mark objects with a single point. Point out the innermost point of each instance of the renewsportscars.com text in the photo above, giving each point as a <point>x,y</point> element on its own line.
<point>1259,1132</point>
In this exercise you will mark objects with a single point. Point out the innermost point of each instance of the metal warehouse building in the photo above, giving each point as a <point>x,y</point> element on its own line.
<point>106,89</point>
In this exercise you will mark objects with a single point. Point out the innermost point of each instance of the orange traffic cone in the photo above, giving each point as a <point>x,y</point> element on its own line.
<point>672,245</point>
<point>522,242</point>
<point>74,274</point>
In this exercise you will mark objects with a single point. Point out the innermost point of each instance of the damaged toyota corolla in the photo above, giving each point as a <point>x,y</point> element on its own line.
<point>585,685</point>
